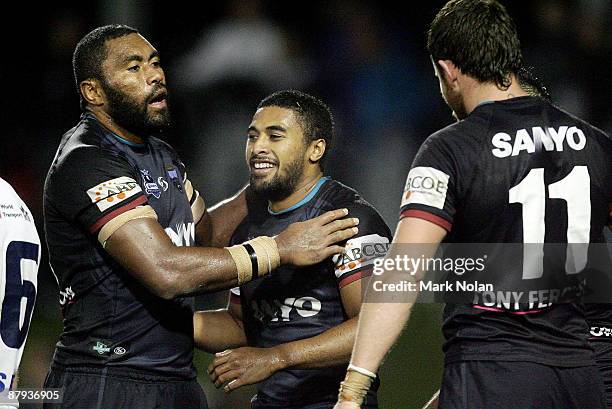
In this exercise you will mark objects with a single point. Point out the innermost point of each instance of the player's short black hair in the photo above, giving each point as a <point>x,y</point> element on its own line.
<point>90,52</point>
<point>479,37</point>
<point>314,115</point>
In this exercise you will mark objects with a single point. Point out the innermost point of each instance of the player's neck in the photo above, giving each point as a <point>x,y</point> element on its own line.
<point>107,121</point>
<point>480,93</point>
<point>304,187</point>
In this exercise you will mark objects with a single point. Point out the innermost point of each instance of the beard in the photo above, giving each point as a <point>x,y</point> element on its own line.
<point>133,115</point>
<point>454,102</point>
<point>279,186</point>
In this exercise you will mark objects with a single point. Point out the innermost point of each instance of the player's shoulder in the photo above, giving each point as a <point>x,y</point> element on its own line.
<point>13,210</point>
<point>82,143</point>
<point>337,195</point>
<point>160,144</point>
<point>7,192</point>
<point>584,125</point>
<point>464,135</point>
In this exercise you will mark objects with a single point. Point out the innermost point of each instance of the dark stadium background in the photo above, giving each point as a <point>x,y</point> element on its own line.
<point>366,59</point>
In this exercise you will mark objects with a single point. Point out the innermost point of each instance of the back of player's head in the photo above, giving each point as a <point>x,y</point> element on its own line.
<point>479,37</point>
<point>90,53</point>
<point>314,115</point>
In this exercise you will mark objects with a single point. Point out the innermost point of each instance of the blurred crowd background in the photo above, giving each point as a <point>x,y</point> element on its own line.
<point>367,60</point>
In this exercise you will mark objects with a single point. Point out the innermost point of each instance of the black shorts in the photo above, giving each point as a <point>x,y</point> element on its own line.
<point>83,389</point>
<point>519,385</point>
<point>603,357</point>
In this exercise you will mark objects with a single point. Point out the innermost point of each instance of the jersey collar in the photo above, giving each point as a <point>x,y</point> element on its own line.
<point>114,135</point>
<point>305,200</point>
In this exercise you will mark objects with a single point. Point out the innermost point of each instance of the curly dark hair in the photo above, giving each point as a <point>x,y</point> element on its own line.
<point>479,37</point>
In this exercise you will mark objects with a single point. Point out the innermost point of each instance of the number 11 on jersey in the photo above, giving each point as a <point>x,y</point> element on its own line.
<point>575,189</point>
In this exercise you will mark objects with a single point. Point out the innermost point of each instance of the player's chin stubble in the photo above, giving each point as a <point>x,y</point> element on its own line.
<point>279,187</point>
<point>135,116</point>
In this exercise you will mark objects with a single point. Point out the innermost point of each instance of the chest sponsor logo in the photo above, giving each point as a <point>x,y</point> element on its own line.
<point>285,310</point>
<point>540,138</point>
<point>601,332</point>
<point>112,192</point>
<point>10,211</point>
<point>151,188</point>
<point>182,234</point>
<point>427,186</point>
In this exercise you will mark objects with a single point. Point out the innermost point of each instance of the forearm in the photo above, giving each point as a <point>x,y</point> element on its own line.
<point>218,330</point>
<point>226,216</point>
<point>376,336</point>
<point>330,348</point>
<point>190,270</point>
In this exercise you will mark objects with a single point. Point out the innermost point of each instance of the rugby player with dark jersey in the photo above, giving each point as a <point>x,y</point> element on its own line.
<point>293,330</point>
<point>513,169</point>
<point>121,220</point>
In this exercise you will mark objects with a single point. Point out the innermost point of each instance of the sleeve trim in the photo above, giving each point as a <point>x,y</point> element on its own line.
<point>351,278</point>
<point>430,217</point>
<point>198,208</point>
<point>188,189</point>
<point>113,225</point>
<point>105,219</point>
<point>235,299</point>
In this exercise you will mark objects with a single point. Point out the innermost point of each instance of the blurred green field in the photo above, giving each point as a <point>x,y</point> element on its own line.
<point>410,374</point>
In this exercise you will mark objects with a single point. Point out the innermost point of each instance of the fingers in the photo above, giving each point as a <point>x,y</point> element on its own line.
<point>220,359</point>
<point>330,216</point>
<point>218,372</point>
<point>331,250</point>
<point>341,235</point>
<point>220,365</point>
<point>341,224</point>
<point>227,377</point>
<point>233,385</point>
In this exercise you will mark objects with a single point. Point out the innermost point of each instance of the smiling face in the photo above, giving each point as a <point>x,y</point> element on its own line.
<point>134,85</point>
<point>276,152</point>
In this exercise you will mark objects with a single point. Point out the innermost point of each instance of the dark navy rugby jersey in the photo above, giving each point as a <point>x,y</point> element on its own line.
<point>515,171</point>
<point>296,303</point>
<point>110,319</point>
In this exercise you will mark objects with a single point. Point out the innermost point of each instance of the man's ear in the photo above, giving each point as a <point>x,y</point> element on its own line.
<point>92,92</point>
<point>317,149</point>
<point>448,70</point>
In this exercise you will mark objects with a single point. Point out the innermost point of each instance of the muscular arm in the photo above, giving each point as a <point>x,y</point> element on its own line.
<point>385,321</point>
<point>220,221</point>
<point>143,248</point>
<point>218,330</point>
<point>245,366</point>
<point>332,347</point>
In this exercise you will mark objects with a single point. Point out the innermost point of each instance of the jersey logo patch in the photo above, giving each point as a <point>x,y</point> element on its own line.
<point>110,193</point>
<point>151,188</point>
<point>427,186</point>
<point>360,252</point>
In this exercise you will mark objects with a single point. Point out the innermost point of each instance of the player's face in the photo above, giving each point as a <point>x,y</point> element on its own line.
<point>275,152</point>
<point>134,85</point>
<point>451,97</point>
